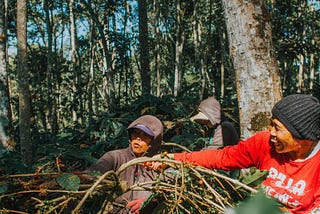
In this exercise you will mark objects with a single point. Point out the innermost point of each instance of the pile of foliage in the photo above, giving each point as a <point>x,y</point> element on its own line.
<point>182,188</point>
<point>55,184</point>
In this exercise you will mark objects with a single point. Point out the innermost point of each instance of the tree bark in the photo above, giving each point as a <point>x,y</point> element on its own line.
<point>51,116</point>
<point>144,48</point>
<point>178,51</point>
<point>4,93</point>
<point>250,45</point>
<point>24,94</point>
<point>73,65</point>
<point>158,45</point>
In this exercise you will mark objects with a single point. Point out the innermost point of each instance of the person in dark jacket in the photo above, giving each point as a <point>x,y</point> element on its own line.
<point>145,138</point>
<point>220,131</point>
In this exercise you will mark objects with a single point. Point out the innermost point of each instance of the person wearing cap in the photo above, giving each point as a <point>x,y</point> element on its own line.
<point>220,131</point>
<point>288,150</point>
<point>145,139</point>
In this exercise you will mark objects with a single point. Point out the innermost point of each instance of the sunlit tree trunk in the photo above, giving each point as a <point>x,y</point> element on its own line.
<point>312,64</point>
<point>178,51</point>
<point>311,84</point>
<point>23,88</point>
<point>197,40</point>
<point>4,92</point>
<point>144,47</point>
<point>73,64</point>
<point>127,53</point>
<point>300,74</point>
<point>158,46</point>
<point>258,82</point>
<point>114,58</point>
<point>301,57</point>
<point>91,103</point>
<point>108,84</point>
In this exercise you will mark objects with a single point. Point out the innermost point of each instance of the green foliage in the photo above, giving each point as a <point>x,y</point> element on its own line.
<point>69,182</point>
<point>198,190</point>
<point>254,177</point>
<point>258,204</point>
<point>3,188</point>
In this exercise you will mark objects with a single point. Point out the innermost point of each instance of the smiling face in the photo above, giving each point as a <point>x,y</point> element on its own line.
<point>139,141</point>
<point>281,138</point>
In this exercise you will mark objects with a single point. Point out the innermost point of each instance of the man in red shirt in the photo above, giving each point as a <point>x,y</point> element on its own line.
<point>289,151</point>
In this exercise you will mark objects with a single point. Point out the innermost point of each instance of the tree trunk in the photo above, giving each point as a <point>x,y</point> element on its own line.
<point>51,116</point>
<point>157,34</point>
<point>4,92</point>
<point>144,48</point>
<point>300,85</point>
<point>312,63</point>
<point>91,96</point>
<point>23,79</point>
<point>108,87</point>
<point>178,52</point>
<point>73,65</point>
<point>197,40</point>
<point>258,82</point>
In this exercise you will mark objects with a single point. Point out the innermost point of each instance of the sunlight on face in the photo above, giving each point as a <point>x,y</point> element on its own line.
<point>139,141</point>
<point>281,138</point>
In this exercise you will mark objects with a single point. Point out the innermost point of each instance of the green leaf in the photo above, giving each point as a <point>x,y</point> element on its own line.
<point>254,177</point>
<point>69,182</point>
<point>258,204</point>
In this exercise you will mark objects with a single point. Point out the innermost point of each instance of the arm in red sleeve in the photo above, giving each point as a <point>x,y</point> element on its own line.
<point>243,155</point>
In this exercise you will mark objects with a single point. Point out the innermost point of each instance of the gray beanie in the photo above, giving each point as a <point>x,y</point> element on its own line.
<point>300,114</point>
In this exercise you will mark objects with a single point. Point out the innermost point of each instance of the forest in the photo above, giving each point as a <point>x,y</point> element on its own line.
<point>74,74</point>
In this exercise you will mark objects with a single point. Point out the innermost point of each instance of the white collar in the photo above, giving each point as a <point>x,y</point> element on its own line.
<point>314,151</point>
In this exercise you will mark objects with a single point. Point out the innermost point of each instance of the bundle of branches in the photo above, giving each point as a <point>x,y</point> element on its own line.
<point>185,188</point>
<point>181,188</point>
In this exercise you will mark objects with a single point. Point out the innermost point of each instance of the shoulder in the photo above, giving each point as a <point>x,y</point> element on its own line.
<point>118,153</point>
<point>228,126</point>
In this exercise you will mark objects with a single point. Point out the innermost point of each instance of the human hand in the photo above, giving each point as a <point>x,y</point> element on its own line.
<point>156,166</point>
<point>135,205</point>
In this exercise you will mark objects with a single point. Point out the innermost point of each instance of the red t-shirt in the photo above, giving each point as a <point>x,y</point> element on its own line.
<point>294,184</point>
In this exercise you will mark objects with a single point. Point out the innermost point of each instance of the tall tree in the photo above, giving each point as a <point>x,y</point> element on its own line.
<point>23,88</point>
<point>73,48</point>
<point>258,82</point>
<point>51,113</point>
<point>144,47</point>
<point>180,37</point>
<point>157,60</point>
<point>4,101</point>
<point>103,34</point>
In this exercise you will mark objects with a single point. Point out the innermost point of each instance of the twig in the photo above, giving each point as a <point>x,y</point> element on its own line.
<point>41,191</point>
<point>89,191</point>
<point>12,211</point>
<point>234,181</point>
<point>181,188</point>
<point>60,204</point>
<point>176,145</point>
<point>218,196</point>
<point>28,175</point>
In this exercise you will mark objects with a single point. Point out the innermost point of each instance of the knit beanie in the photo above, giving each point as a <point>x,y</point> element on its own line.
<point>300,113</point>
